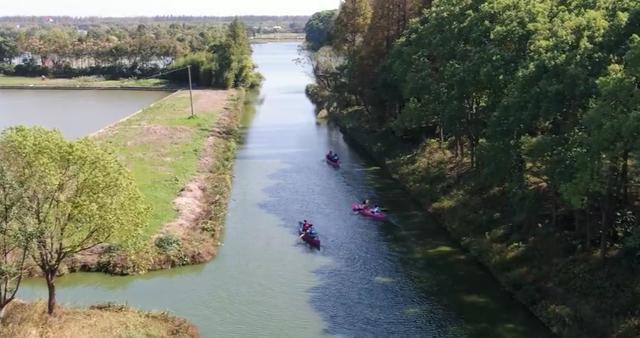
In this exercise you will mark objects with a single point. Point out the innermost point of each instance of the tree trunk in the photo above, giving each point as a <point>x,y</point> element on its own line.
<point>50,277</point>
<point>587,227</point>
<point>604,232</point>
<point>554,213</point>
<point>624,177</point>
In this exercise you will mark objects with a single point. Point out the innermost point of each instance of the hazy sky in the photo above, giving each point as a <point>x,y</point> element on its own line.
<point>164,7</point>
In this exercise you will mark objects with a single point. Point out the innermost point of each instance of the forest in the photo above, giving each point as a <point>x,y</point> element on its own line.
<point>518,123</point>
<point>123,50</point>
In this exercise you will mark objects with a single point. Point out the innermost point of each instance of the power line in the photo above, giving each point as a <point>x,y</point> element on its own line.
<point>165,73</point>
<point>188,68</point>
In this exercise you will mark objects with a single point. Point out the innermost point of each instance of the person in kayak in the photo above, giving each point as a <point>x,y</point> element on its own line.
<point>307,229</point>
<point>375,210</point>
<point>331,156</point>
<point>365,204</point>
<point>306,226</point>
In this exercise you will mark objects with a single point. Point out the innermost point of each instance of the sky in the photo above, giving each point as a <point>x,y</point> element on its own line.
<point>164,7</point>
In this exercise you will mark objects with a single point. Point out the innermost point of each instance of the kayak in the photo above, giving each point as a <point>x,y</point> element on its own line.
<point>310,237</point>
<point>335,164</point>
<point>365,211</point>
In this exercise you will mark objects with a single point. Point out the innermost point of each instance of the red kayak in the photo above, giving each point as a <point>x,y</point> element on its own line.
<point>365,211</point>
<point>310,237</point>
<point>331,162</point>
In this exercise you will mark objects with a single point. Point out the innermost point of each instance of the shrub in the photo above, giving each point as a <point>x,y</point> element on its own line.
<point>168,243</point>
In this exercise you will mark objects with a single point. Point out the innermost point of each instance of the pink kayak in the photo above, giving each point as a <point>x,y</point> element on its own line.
<point>365,211</point>
<point>335,164</point>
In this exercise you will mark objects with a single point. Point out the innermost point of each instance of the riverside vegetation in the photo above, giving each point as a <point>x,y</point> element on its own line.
<point>517,123</point>
<point>219,53</point>
<point>96,204</point>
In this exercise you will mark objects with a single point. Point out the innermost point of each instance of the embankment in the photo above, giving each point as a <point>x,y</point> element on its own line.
<point>183,166</point>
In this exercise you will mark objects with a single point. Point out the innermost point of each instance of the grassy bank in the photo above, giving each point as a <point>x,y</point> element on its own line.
<point>81,82</point>
<point>567,286</point>
<point>161,146</point>
<point>101,321</point>
<point>278,37</point>
<point>183,167</point>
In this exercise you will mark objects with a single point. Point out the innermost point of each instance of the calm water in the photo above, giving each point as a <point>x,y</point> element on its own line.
<point>402,278</point>
<point>75,113</point>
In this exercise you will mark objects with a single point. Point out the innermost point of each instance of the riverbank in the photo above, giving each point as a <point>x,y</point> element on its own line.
<point>24,320</point>
<point>278,37</point>
<point>183,166</point>
<point>565,286</point>
<point>85,82</point>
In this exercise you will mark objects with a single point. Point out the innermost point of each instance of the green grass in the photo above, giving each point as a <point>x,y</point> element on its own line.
<point>85,81</point>
<point>161,146</point>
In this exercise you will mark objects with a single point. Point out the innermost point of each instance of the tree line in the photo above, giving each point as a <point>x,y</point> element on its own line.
<point>118,51</point>
<point>525,93</point>
<point>530,107</point>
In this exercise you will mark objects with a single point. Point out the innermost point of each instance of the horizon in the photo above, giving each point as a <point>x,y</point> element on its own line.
<point>187,8</point>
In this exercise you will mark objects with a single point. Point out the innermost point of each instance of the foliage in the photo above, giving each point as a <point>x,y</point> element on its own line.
<point>168,243</point>
<point>534,105</point>
<point>232,63</point>
<point>319,29</point>
<point>351,24</point>
<point>220,54</point>
<point>78,197</point>
<point>15,239</point>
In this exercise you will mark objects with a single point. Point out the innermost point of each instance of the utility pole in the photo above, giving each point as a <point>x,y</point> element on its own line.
<point>193,115</point>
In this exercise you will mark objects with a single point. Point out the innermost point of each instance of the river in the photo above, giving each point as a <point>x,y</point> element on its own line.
<point>400,278</point>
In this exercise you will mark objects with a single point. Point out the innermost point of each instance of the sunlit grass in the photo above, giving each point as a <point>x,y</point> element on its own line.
<point>161,147</point>
<point>84,81</point>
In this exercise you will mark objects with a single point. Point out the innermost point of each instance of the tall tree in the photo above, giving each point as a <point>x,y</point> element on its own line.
<point>353,20</point>
<point>319,29</point>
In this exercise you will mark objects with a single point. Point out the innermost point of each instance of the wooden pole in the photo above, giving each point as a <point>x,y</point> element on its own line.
<point>191,91</point>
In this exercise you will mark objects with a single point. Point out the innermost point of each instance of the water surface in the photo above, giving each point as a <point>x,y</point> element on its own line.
<point>75,113</point>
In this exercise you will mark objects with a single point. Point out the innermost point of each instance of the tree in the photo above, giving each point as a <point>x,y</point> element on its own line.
<point>78,196</point>
<point>232,63</point>
<point>352,22</point>
<point>8,49</point>
<point>319,29</point>
<point>611,139</point>
<point>14,240</point>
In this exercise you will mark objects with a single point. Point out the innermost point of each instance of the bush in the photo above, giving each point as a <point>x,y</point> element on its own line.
<point>201,71</point>
<point>168,243</point>
<point>6,69</point>
<point>29,69</point>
